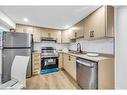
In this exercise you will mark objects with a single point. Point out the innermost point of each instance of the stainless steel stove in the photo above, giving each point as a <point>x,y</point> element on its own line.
<point>49,58</point>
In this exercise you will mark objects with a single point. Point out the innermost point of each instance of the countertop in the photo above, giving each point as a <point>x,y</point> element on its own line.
<point>36,51</point>
<point>96,59</point>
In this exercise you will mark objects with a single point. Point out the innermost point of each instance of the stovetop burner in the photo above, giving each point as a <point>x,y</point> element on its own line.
<point>47,52</point>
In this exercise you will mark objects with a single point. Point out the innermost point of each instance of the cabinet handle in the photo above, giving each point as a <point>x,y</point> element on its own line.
<point>69,58</point>
<point>49,34</point>
<point>75,34</point>
<point>91,33</point>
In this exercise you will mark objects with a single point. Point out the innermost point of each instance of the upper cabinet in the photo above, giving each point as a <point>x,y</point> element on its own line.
<point>53,33</point>
<point>66,35</point>
<point>100,23</point>
<point>39,32</point>
<point>109,21</point>
<point>77,30</point>
<point>59,37</point>
<point>24,28</point>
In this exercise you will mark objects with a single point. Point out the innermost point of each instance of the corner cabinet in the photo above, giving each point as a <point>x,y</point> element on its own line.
<point>66,34</point>
<point>100,23</point>
<point>77,30</point>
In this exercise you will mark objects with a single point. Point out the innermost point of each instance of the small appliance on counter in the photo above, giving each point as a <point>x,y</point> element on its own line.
<point>49,60</point>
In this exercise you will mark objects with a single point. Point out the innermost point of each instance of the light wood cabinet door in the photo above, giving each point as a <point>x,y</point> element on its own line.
<point>95,24</point>
<point>100,23</point>
<point>24,28</point>
<point>79,29</point>
<point>60,62</point>
<point>59,39</point>
<point>44,32</point>
<point>70,65</point>
<point>65,61</point>
<point>19,28</point>
<point>49,33</point>
<point>109,21</point>
<point>106,74</point>
<point>37,34</point>
<point>66,36</point>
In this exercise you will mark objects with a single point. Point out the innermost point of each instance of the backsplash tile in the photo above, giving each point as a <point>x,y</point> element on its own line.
<point>37,46</point>
<point>100,45</point>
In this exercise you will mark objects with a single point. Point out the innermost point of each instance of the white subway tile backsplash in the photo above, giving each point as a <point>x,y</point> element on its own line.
<point>100,45</point>
<point>37,46</point>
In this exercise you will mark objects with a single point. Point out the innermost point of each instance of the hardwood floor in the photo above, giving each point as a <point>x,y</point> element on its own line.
<point>56,80</point>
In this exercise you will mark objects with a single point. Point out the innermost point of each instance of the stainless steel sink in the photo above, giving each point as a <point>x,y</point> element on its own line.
<point>75,52</point>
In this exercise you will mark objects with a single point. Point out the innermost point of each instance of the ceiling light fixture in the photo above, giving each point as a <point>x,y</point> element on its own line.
<point>25,20</point>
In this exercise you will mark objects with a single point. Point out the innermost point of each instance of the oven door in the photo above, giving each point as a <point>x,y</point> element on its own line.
<point>48,63</point>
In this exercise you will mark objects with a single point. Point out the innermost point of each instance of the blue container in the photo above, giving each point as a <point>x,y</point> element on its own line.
<point>46,71</point>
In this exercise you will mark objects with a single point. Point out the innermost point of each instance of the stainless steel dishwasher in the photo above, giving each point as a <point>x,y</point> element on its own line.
<point>87,73</point>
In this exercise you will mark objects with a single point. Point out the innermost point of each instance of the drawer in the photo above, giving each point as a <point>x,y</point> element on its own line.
<point>36,63</point>
<point>36,69</point>
<point>36,60</point>
<point>36,55</point>
<point>35,73</point>
<point>36,66</point>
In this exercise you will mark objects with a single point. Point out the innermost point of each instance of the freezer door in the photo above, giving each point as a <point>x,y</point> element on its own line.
<point>1,35</point>
<point>15,39</point>
<point>8,57</point>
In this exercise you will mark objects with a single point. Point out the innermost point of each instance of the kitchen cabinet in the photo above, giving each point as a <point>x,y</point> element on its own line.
<point>36,34</point>
<point>106,74</point>
<point>36,63</point>
<point>100,23</point>
<point>53,33</point>
<point>66,35</point>
<point>60,60</point>
<point>105,67</point>
<point>48,33</point>
<point>39,32</point>
<point>77,30</point>
<point>69,63</point>
<point>24,28</point>
<point>59,37</point>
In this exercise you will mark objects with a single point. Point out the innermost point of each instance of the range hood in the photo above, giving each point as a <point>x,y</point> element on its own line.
<point>48,39</point>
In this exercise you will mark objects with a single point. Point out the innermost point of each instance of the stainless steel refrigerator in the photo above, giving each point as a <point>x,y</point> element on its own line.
<point>12,44</point>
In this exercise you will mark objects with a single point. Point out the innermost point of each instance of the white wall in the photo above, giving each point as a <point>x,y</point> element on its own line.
<point>37,46</point>
<point>121,48</point>
<point>100,45</point>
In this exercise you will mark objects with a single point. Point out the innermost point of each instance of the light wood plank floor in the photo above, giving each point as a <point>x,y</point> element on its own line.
<point>56,80</point>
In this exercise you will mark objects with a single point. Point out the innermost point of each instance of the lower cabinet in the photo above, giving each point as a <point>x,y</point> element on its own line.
<point>36,63</point>
<point>60,61</point>
<point>69,64</point>
<point>105,70</point>
<point>106,74</point>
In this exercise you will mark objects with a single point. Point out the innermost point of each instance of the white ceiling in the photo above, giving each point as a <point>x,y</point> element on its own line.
<point>57,17</point>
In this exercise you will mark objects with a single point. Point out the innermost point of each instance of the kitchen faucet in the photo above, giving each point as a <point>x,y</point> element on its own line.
<point>79,47</point>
